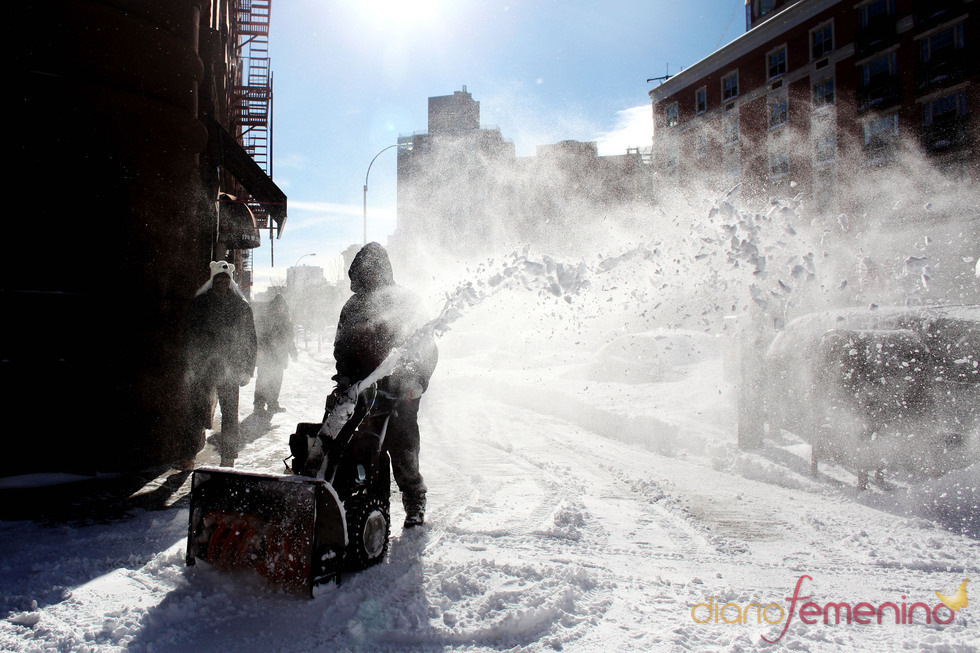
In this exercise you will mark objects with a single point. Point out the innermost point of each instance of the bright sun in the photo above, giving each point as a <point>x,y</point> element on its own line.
<point>408,14</point>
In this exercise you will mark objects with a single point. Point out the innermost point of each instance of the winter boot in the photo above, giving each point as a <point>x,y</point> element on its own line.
<point>414,509</point>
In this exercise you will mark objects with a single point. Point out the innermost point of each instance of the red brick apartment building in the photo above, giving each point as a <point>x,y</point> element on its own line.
<point>818,92</point>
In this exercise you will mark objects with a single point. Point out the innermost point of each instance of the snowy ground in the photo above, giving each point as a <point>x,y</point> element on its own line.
<point>567,512</point>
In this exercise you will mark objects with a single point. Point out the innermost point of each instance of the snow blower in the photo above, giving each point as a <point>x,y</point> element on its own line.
<point>329,516</point>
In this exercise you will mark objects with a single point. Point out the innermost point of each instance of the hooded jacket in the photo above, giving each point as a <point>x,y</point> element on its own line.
<point>276,334</point>
<point>380,316</point>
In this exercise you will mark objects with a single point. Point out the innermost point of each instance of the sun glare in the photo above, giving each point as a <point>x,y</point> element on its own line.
<point>393,14</point>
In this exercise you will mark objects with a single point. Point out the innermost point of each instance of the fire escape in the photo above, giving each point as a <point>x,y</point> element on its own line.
<point>251,102</point>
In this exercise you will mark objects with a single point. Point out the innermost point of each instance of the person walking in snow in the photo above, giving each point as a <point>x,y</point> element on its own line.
<point>277,345</point>
<point>380,316</point>
<point>220,347</point>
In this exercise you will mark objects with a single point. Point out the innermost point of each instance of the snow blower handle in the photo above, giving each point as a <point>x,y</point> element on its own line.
<point>339,413</point>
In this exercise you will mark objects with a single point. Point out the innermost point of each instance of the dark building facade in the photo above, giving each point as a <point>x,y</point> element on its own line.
<point>818,91</point>
<point>132,118</point>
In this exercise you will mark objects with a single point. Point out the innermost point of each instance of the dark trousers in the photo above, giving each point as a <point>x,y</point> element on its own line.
<point>268,384</point>
<point>200,415</point>
<point>403,444</point>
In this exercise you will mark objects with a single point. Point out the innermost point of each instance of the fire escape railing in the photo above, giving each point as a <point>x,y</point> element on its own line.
<point>252,97</point>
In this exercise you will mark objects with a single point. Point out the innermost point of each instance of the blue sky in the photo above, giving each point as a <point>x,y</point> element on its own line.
<point>350,76</point>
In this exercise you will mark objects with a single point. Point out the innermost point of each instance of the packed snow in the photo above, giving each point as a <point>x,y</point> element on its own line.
<point>586,487</point>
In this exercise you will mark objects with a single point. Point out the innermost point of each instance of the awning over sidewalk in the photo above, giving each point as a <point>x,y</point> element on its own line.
<point>252,178</point>
<point>237,228</point>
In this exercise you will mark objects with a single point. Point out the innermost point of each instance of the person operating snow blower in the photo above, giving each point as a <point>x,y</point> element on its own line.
<point>380,316</point>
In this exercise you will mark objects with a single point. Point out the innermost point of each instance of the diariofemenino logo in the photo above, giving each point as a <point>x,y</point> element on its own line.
<point>830,613</point>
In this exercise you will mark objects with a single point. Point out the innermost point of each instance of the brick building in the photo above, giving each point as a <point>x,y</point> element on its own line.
<point>817,92</point>
<point>142,140</point>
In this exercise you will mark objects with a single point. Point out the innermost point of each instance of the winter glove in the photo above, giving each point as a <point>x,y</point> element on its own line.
<point>407,388</point>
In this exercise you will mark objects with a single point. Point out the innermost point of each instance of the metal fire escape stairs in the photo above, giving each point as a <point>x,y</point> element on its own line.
<point>252,98</point>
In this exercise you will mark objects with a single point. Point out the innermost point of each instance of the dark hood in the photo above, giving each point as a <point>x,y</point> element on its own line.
<point>371,269</point>
<point>278,302</point>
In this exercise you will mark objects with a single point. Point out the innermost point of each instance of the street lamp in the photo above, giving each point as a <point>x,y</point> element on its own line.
<point>302,257</point>
<point>366,185</point>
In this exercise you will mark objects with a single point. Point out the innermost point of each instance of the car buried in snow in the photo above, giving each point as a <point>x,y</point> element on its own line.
<point>880,390</point>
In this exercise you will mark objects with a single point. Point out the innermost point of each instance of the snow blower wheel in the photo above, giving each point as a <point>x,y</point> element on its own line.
<point>368,530</point>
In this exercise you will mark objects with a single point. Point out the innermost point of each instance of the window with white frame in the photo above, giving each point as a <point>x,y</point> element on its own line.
<point>671,153</point>
<point>701,100</point>
<point>731,163</point>
<point>778,111</point>
<point>670,115</point>
<point>777,145</point>
<point>776,62</point>
<point>825,187</point>
<point>825,148</point>
<point>823,93</point>
<point>729,86</point>
<point>701,145</point>
<point>729,132</point>
<point>822,41</point>
<point>778,164</point>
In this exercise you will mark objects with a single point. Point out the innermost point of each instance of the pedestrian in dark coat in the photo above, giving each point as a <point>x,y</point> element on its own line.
<point>277,344</point>
<point>220,346</point>
<point>380,316</point>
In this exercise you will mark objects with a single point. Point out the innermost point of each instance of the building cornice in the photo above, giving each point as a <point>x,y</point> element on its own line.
<point>748,42</point>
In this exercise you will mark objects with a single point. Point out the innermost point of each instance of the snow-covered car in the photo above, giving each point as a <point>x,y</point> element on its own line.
<point>652,356</point>
<point>881,389</point>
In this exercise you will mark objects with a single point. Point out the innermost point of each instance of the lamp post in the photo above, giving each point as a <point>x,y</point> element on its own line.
<point>302,257</point>
<point>366,185</point>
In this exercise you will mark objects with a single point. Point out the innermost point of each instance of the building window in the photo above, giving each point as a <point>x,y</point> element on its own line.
<point>730,132</point>
<point>879,69</point>
<point>766,7</point>
<point>778,164</point>
<point>879,83</point>
<point>945,122</point>
<point>944,109</point>
<point>701,100</point>
<point>670,115</point>
<point>671,154</point>
<point>778,112</point>
<point>823,93</point>
<point>777,63</point>
<point>824,188</point>
<point>701,146</point>
<point>942,42</point>
<point>883,127</point>
<point>942,58</point>
<point>729,86</point>
<point>876,11</point>
<point>822,41</point>
<point>825,148</point>
<point>881,138</point>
